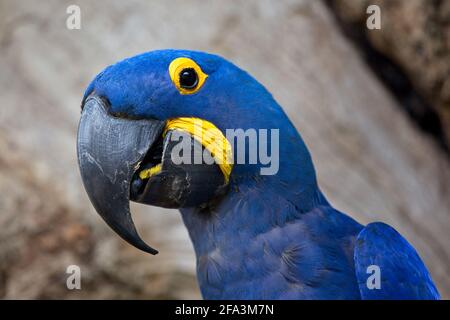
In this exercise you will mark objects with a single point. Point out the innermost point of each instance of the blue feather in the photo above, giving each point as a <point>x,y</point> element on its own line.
<point>402,272</point>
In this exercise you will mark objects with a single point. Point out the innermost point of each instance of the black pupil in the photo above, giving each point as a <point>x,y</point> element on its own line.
<point>188,78</point>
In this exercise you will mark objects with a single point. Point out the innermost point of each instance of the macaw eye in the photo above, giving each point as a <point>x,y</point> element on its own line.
<point>188,78</point>
<point>186,75</point>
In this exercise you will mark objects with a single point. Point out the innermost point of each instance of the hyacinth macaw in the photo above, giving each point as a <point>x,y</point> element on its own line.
<point>255,236</point>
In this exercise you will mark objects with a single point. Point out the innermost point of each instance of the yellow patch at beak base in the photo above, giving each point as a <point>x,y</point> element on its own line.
<point>208,135</point>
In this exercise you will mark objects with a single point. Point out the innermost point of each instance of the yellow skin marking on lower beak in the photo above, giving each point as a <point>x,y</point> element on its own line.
<point>209,136</point>
<point>148,173</point>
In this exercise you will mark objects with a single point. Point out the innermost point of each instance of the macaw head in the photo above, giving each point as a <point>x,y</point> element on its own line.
<point>146,119</point>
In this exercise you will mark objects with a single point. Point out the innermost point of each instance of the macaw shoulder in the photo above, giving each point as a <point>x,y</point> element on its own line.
<point>396,269</point>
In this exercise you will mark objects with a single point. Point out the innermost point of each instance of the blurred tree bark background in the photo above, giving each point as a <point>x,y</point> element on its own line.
<point>373,160</point>
<point>411,54</point>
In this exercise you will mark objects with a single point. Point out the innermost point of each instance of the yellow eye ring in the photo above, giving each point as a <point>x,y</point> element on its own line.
<point>186,75</point>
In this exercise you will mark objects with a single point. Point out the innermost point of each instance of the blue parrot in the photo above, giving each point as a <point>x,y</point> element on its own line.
<point>255,236</point>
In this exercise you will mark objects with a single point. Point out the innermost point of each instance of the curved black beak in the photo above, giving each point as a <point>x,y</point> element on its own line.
<point>109,151</point>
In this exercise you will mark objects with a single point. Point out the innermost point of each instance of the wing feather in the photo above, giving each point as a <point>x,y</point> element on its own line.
<point>403,275</point>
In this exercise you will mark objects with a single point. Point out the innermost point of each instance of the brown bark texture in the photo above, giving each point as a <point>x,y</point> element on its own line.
<point>415,35</point>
